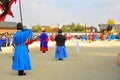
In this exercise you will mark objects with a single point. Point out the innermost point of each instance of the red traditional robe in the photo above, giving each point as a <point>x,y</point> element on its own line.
<point>102,36</point>
<point>90,37</point>
<point>28,43</point>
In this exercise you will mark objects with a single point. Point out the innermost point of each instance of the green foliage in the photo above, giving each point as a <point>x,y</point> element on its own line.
<point>79,27</point>
<point>36,28</point>
<point>72,27</point>
<point>65,29</point>
<point>48,29</point>
<point>99,25</point>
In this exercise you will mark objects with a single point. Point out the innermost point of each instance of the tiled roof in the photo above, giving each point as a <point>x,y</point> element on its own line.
<point>8,24</point>
<point>104,26</point>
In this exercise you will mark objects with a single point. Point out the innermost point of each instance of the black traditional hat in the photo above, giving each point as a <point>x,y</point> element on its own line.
<point>59,31</point>
<point>43,30</point>
<point>19,26</point>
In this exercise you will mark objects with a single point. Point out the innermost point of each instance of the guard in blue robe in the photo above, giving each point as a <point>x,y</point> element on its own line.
<point>21,60</point>
<point>60,53</point>
<point>43,42</point>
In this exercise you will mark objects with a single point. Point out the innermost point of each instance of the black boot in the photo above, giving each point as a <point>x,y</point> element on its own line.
<point>21,73</point>
<point>43,51</point>
<point>60,59</point>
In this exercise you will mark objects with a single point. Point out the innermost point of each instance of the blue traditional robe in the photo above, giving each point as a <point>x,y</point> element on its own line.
<point>60,52</point>
<point>1,42</point>
<point>86,37</point>
<point>43,42</point>
<point>112,37</point>
<point>21,57</point>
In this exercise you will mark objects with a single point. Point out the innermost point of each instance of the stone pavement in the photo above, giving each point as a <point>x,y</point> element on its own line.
<point>91,64</point>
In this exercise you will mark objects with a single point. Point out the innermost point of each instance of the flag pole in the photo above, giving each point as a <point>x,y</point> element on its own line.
<point>20,12</point>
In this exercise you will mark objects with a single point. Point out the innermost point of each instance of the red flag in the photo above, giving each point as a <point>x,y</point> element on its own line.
<point>5,7</point>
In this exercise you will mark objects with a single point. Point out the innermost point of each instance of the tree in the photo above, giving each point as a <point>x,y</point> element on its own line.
<point>55,29</point>
<point>65,29</point>
<point>72,27</point>
<point>79,27</point>
<point>48,29</point>
<point>36,28</point>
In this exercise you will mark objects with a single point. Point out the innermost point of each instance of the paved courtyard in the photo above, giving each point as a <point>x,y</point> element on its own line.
<point>92,63</point>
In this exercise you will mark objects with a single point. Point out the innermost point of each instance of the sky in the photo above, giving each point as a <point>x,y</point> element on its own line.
<point>64,12</point>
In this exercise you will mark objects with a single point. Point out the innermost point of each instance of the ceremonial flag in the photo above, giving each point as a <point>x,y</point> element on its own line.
<point>5,9</point>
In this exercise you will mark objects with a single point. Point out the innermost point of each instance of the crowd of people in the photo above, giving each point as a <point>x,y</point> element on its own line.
<point>89,36</point>
<point>7,39</point>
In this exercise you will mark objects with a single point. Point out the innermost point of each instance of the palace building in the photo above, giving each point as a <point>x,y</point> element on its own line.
<point>115,27</point>
<point>8,27</point>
